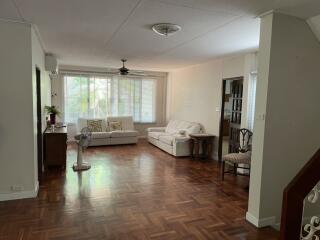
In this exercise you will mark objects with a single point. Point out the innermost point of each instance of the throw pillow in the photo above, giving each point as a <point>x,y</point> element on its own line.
<point>95,125</point>
<point>183,132</point>
<point>115,126</point>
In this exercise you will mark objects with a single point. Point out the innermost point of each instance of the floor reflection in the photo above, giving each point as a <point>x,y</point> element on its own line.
<point>133,192</point>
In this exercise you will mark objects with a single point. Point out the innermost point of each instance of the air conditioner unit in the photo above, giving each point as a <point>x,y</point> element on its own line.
<point>51,64</point>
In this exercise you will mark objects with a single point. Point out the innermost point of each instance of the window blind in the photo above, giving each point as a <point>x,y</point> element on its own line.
<point>102,96</point>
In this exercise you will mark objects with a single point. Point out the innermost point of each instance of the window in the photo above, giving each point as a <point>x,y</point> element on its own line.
<point>102,96</point>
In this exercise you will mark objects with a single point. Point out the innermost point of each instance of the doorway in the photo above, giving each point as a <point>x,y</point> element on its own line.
<point>39,123</point>
<point>231,113</point>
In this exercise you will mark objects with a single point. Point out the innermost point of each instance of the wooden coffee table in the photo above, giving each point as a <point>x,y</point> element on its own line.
<point>202,139</point>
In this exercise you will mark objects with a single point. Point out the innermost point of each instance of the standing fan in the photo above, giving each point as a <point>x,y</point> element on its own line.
<point>83,140</point>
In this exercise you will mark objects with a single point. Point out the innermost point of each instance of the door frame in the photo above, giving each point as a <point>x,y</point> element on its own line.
<point>39,123</point>
<point>223,94</point>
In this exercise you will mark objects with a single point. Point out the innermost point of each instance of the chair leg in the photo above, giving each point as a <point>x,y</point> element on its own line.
<point>222,171</point>
<point>235,168</point>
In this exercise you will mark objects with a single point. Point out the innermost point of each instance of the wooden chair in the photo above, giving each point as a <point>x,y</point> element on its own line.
<point>242,157</point>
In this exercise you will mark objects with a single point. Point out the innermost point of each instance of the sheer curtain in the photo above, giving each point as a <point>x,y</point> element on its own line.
<point>251,99</point>
<point>101,96</point>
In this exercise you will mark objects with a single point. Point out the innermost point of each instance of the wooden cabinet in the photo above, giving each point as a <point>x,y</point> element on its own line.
<point>55,147</point>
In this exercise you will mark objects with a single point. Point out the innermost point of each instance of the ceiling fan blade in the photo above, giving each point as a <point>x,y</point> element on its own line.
<point>136,74</point>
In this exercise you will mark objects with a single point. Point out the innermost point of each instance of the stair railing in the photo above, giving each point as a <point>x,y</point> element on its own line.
<point>305,184</point>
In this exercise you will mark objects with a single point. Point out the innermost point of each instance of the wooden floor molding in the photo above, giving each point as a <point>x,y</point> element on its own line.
<point>133,192</point>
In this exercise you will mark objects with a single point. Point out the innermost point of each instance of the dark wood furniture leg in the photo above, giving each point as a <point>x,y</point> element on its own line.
<point>197,148</point>
<point>210,146</point>
<point>222,172</point>
<point>204,149</point>
<point>191,145</point>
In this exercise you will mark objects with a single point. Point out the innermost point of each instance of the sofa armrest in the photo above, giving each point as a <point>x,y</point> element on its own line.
<point>156,129</point>
<point>181,139</point>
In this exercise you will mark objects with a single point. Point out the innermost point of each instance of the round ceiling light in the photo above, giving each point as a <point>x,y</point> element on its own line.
<point>166,29</point>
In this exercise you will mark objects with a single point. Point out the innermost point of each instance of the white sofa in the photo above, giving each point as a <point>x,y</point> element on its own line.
<point>174,138</point>
<point>125,136</point>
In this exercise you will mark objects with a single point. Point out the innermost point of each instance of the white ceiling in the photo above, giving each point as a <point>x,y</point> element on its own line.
<point>314,23</point>
<point>100,32</point>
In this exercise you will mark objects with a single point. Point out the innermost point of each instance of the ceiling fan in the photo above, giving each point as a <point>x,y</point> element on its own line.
<point>123,71</point>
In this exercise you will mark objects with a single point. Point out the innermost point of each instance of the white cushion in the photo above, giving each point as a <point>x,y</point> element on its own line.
<point>98,135</point>
<point>127,133</point>
<point>156,135</point>
<point>183,125</point>
<point>126,122</point>
<point>196,128</point>
<point>174,126</point>
<point>168,139</point>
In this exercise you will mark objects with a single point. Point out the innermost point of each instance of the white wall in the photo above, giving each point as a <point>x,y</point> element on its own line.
<point>288,95</point>
<point>17,123</point>
<point>194,92</point>
<point>38,58</point>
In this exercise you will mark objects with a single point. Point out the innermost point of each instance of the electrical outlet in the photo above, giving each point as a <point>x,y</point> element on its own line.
<point>16,188</point>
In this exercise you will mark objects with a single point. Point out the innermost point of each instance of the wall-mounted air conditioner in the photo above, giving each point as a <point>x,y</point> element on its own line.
<point>51,64</point>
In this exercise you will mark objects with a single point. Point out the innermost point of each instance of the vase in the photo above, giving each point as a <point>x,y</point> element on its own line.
<point>52,119</point>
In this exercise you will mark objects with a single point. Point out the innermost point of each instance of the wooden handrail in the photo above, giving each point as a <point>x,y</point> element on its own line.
<point>293,198</point>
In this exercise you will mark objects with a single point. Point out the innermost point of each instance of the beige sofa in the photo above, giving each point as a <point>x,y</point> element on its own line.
<point>174,138</point>
<point>125,136</point>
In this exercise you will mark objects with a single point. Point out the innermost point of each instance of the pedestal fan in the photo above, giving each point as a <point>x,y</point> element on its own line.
<point>83,140</point>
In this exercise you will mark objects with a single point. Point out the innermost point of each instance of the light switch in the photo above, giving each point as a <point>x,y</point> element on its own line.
<point>261,116</point>
<point>217,109</point>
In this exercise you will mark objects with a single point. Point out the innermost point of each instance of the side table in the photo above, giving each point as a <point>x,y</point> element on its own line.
<point>202,139</point>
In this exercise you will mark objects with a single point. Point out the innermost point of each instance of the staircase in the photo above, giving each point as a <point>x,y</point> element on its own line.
<point>305,187</point>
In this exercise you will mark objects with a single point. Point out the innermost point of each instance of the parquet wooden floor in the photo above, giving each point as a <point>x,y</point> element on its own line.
<point>133,192</point>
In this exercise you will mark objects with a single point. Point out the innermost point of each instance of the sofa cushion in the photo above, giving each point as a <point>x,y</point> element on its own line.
<point>174,127</point>
<point>83,122</point>
<point>114,126</point>
<point>126,133</point>
<point>156,135</point>
<point>193,129</point>
<point>126,122</point>
<point>168,139</point>
<point>95,125</point>
<point>99,135</point>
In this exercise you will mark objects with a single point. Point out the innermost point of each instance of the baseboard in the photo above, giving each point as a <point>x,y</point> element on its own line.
<point>20,195</point>
<point>263,222</point>
<point>215,156</point>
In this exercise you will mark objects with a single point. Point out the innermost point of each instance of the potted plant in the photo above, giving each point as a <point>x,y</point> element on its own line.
<point>53,112</point>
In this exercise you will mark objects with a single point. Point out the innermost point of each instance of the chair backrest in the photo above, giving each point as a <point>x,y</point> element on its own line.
<point>245,141</point>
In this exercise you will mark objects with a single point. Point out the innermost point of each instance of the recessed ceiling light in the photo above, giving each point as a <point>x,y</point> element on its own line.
<point>166,29</point>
